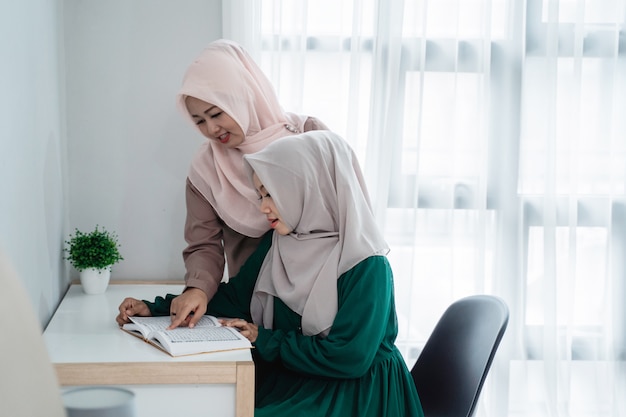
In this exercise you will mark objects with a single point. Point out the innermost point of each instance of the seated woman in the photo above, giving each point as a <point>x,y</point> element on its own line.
<point>316,298</point>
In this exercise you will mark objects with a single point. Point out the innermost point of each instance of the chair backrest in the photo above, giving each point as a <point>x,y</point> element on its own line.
<point>452,367</point>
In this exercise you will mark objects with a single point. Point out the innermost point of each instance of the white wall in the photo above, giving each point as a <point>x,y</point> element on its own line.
<point>89,132</point>
<point>33,210</point>
<point>128,147</point>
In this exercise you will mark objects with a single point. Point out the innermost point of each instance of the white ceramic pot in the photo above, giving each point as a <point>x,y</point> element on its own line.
<point>95,281</point>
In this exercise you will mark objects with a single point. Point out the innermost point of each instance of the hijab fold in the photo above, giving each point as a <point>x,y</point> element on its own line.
<point>318,188</point>
<point>226,76</point>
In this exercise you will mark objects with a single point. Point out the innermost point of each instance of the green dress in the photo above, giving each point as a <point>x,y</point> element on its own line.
<point>355,371</point>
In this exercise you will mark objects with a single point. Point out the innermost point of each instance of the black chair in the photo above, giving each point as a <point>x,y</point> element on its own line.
<point>451,369</point>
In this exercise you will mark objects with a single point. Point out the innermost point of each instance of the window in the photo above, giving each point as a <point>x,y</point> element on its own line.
<point>492,137</point>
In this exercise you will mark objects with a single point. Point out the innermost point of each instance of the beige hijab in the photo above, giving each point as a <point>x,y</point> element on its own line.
<point>226,76</point>
<point>317,186</point>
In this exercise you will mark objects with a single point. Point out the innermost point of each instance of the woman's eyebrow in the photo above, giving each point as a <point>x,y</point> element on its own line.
<point>209,109</point>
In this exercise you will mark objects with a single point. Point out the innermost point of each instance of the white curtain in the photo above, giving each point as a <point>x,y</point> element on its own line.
<point>493,136</point>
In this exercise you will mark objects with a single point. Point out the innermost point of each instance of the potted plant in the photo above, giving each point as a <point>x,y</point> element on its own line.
<point>93,254</point>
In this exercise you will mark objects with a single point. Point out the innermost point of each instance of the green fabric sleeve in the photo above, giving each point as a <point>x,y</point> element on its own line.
<point>365,317</point>
<point>160,306</point>
<point>233,298</point>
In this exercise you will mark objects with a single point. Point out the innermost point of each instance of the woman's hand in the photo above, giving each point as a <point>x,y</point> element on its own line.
<point>188,308</point>
<point>131,307</point>
<point>248,330</point>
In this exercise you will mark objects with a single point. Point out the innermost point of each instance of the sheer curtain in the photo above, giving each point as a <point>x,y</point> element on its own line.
<point>493,137</point>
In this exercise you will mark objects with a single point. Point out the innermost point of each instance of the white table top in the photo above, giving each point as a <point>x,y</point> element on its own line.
<point>84,330</point>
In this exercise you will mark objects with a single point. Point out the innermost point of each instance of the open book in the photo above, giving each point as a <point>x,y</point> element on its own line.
<point>208,335</point>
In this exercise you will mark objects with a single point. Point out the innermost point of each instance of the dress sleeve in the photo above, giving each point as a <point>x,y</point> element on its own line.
<point>161,305</point>
<point>204,254</point>
<point>233,297</point>
<point>313,123</point>
<point>364,319</point>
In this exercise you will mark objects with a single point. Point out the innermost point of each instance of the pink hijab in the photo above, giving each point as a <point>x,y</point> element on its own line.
<point>227,77</point>
<point>317,186</point>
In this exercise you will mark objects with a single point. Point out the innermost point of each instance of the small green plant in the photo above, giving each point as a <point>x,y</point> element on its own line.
<point>98,249</point>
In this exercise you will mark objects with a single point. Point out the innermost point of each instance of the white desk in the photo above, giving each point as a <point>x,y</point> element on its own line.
<point>87,347</point>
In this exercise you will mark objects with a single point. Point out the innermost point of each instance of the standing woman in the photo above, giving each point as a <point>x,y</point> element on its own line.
<point>233,104</point>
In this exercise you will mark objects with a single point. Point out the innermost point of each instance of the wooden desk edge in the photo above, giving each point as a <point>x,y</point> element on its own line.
<point>244,395</point>
<point>148,373</point>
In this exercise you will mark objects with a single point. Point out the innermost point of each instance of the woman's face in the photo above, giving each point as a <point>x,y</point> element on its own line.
<point>214,123</point>
<point>269,209</point>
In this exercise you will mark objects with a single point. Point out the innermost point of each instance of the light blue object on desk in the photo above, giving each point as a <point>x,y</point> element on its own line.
<point>99,402</point>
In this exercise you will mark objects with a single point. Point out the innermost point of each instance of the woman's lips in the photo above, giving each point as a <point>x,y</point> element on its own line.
<point>224,138</point>
<point>273,222</point>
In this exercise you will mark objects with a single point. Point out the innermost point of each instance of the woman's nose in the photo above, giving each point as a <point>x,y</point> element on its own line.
<point>212,127</point>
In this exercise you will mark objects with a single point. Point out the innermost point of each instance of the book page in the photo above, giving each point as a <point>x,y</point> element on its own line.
<point>201,334</point>
<point>186,341</point>
<point>162,322</point>
<point>152,323</point>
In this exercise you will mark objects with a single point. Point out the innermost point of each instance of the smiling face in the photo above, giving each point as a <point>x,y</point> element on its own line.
<point>214,123</point>
<point>269,208</point>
